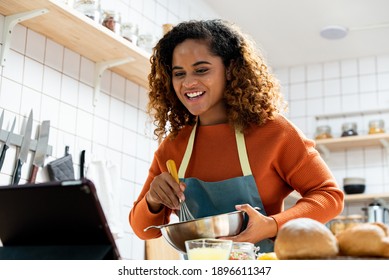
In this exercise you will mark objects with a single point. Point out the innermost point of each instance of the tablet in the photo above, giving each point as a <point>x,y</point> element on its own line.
<point>54,220</point>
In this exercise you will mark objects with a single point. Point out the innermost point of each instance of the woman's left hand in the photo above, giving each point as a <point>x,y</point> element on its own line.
<point>259,226</point>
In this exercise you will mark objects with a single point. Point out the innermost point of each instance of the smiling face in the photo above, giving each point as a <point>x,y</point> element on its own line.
<point>199,80</point>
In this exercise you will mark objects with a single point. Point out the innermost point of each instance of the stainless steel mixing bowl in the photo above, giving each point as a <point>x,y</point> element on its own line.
<point>228,224</point>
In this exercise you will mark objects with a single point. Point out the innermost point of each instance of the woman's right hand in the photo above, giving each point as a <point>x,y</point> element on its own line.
<point>165,191</point>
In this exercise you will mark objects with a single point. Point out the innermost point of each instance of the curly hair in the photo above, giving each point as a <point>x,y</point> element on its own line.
<point>252,95</point>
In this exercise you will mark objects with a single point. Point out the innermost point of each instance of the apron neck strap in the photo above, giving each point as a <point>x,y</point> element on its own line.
<point>242,152</point>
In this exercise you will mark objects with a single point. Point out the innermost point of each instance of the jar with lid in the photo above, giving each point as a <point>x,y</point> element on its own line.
<point>376,126</point>
<point>338,224</point>
<point>166,28</point>
<point>112,20</point>
<point>243,251</point>
<point>353,220</point>
<point>349,129</point>
<point>129,31</point>
<point>90,8</point>
<point>146,42</point>
<point>323,132</point>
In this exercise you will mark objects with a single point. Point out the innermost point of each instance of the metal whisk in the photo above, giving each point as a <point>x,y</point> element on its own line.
<point>184,213</point>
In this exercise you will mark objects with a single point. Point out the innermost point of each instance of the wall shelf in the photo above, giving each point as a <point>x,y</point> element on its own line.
<point>360,141</point>
<point>352,114</point>
<point>294,196</point>
<point>82,35</point>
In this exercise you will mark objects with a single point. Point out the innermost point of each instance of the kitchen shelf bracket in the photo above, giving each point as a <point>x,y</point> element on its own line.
<point>9,24</point>
<point>99,70</point>
<point>385,144</point>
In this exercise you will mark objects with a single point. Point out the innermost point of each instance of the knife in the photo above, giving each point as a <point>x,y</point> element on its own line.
<point>1,120</point>
<point>24,148</point>
<point>6,144</point>
<point>41,149</point>
<point>82,163</point>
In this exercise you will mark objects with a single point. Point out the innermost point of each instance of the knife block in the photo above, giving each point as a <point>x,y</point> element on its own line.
<point>16,140</point>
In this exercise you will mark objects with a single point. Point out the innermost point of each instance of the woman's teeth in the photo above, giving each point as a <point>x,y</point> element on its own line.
<point>194,94</point>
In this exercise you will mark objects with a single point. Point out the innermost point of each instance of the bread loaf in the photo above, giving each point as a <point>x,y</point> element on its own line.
<point>365,240</point>
<point>305,238</point>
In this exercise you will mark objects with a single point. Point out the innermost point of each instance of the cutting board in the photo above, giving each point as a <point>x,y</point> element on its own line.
<point>159,249</point>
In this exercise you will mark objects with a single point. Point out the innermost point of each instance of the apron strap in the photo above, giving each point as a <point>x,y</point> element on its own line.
<point>243,158</point>
<point>242,152</point>
<point>188,153</point>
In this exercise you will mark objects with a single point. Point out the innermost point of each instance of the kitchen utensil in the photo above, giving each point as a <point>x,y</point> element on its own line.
<point>208,249</point>
<point>1,119</point>
<point>41,149</point>
<point>6,144</point>
<point>185,214</point>
<point>24,148</point>
<point>376,212</point>
<point>82,164</point>
<point>354,185</point>
<point>227,224</point>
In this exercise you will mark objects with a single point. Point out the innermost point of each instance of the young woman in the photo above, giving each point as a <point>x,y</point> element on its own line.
<point>217,108</point>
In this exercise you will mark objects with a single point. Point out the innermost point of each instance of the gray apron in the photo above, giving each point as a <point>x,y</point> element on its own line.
<point>212,198</point>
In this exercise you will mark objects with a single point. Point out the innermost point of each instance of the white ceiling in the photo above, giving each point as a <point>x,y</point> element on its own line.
<point>287,31</point>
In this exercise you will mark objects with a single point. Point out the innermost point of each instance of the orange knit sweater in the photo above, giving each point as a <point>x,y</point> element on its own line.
<point>281,158</point>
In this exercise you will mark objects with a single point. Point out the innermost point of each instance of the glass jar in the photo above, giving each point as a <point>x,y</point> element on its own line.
<point>166,28</point>
<point>129,31</point>
<point>338,224</point>
<point>349,129</point>
<point>353,220</point>
<point>90,8</point>
<point>376,126</point>
<point>323,132</point>
<point>111,20</point>
<point>146,42</point>
<point>243,251</point>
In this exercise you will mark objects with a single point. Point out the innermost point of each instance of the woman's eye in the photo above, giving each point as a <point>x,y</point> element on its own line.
<point>202,70</point>
<point>178,74</point>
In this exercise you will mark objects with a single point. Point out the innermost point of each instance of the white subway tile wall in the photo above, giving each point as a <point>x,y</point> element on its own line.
<point>354,85</point>
<point>57,84</point>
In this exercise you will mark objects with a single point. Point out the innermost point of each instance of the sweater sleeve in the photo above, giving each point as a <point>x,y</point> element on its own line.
<point>309,175</point>
<point>140,215</point>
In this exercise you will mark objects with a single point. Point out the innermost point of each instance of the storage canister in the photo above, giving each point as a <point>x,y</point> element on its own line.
<point>338,224</point>
<point>243,251</point>
<point>349,129</point>
<point>376,126</point>
<point>323,132</point>
<point>90,8</point>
